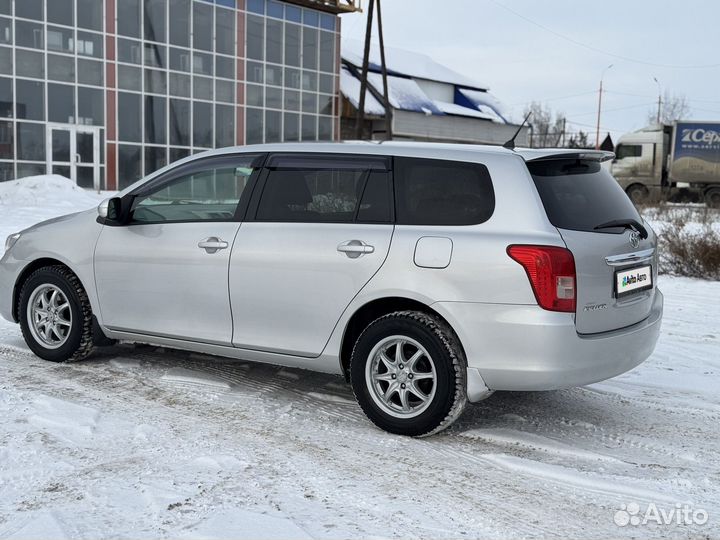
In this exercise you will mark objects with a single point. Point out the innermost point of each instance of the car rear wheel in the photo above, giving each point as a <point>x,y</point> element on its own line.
<point>638,194</point>
<point>55,315</point>
<point>408,373</point>
<point>712,198</point>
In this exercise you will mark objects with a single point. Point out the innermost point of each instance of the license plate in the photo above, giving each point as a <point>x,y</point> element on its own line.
<point>633,281</point>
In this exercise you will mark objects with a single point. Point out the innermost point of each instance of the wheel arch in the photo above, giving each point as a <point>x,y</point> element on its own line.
<point>27,271</point>
<point>374,309</point>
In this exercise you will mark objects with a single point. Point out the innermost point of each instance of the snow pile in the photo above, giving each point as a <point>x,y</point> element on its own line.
<point>30,200</point>
<point>41,190</point>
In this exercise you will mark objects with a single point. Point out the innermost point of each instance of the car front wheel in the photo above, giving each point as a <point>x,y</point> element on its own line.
<point>408,373</point>
<point>55,315</point>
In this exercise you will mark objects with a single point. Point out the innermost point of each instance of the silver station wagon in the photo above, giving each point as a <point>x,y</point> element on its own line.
<point>429,275</point>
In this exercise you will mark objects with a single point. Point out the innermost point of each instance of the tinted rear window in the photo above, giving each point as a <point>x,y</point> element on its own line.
<point>579,195</point>
<point>440,192</point>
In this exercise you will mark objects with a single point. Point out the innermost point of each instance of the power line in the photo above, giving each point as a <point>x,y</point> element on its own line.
<point>597,50</point>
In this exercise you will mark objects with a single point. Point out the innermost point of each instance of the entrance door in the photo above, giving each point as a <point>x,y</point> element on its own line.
<point>74,152</point>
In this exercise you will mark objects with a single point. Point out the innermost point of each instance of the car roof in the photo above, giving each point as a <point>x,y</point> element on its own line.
<point>429,149</point>
<point>460,152</point>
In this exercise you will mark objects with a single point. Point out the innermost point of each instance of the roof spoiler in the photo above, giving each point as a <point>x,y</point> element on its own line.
<point>588,155</point>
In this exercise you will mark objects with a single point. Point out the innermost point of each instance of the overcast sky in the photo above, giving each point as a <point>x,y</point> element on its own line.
<point>513,47</point>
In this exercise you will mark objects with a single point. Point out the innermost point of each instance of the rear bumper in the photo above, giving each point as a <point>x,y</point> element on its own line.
<point>527,348</point>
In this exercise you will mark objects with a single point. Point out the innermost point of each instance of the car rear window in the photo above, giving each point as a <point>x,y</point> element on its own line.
<point>442,192</point>
<point>579,195</point>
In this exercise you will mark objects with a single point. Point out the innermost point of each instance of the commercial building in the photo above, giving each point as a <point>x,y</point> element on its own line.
<point>105,91</point>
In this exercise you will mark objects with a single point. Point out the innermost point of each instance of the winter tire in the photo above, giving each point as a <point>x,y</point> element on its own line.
<point>638,194</point>
<point>55,315</point>
<point>408,373</point>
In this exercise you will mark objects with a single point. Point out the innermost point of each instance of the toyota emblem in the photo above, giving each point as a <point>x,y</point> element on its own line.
<point>634,239</point>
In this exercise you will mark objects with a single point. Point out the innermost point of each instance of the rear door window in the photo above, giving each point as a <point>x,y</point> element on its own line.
<point>579,195</point>
<point>326,189</point>
<point>442,192</point>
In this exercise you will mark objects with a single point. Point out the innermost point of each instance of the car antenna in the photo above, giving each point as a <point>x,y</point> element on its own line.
<point>510,145</point>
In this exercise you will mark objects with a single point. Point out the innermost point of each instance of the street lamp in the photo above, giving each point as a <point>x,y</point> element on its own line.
<point>597,133</point>
<point>659,98</point>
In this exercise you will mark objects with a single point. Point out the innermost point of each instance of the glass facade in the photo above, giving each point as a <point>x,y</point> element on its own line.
<point>147,82</point>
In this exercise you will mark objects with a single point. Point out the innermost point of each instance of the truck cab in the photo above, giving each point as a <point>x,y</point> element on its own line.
<point>640,164</point>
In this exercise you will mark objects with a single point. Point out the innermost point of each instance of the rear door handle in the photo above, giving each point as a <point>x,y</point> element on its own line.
<point>355,248</point>
<point>212,244</point>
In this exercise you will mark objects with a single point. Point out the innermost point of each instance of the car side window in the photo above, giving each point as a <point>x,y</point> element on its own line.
<point>317,189</point>
<point>210,193</point>
<point>442,192</point>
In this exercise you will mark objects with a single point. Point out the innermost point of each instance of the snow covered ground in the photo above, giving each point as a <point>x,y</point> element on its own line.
<point>140,442</point>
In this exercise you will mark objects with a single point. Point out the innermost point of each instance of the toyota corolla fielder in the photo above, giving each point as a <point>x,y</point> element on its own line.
<point>429,275</point>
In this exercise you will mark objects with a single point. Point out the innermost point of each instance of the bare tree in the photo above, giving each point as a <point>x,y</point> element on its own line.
<point>673,107</point>
<point>547,127</point>
<point>579,140</point>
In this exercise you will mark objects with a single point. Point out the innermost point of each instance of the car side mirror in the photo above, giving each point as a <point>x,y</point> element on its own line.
<point>115,211</point>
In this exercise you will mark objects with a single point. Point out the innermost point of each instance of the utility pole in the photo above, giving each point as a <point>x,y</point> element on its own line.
<point>386,97</point>
<point>659,99</point>
<point>597,132</point>
<point>364,77</point>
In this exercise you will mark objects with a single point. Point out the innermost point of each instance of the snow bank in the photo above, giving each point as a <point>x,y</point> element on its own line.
<point>30,200</point>
<point>46,189</point>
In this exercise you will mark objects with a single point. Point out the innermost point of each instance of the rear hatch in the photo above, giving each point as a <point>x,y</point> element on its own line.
<point>615,266</point>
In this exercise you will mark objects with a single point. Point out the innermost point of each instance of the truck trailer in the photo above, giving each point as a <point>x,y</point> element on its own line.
<point>670,162</point>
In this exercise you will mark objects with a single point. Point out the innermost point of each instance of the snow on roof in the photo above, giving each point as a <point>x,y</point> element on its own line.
<point>404,94</point>
<point>409,63</point>
<point>350,88</point>
<point>459,110</point>
<point>484,101</point>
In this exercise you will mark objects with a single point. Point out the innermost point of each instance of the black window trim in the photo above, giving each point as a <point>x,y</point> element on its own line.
<point>259,188</point>
<point>202,164</point>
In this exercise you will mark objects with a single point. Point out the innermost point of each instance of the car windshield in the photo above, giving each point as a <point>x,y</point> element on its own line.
<point>579,194</point>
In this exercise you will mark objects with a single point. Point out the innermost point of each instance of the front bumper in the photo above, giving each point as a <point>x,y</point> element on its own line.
<point>516,347</point>
<point>7,286</point>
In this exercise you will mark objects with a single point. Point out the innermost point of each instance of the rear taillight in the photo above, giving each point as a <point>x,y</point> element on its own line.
<point>551,271</point>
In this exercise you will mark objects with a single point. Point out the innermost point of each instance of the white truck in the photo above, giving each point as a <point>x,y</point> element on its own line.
<point>681,160</point>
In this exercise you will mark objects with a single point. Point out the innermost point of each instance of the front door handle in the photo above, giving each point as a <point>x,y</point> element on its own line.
<point>355,248</point>
<point>212,244</point>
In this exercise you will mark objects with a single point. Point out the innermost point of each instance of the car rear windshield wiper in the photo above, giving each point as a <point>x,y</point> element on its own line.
<point>626,224</point>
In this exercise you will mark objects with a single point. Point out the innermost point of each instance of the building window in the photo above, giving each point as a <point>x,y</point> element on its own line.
<point>61,103</point>
<point>129,78</point>
<point>129,164</point>
<point>29,64</point>
<point>90,72</point>
<point>6,98</point>
<point>155,120</point>
<point>154,11</point>
<point>225,31</point>
<point>61,12</point>
<point>180,27</point>
<point>91,109</point>
<point>255,37</point>
<point>30,141</point>
<point>29,34</point>
<point>202,124</point>
<point>128,18</point>
<point>89,14</point>
<point>29,9</point>
<point>30,99</point>
<point>61,68</point>
<point>129,107</point>
<point>202,26</point>
<point>179,122</point>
